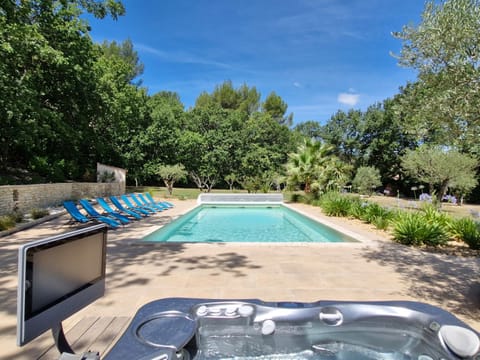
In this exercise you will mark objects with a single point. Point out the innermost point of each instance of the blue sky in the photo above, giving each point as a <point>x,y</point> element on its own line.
<point>318,55</point>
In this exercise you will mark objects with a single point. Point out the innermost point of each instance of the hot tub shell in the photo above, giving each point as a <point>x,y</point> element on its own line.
<point>186,328</point>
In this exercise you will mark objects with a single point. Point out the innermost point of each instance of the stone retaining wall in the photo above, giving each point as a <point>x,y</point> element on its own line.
<point>24,198</point>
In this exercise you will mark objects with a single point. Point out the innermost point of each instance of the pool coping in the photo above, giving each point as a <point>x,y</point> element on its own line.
<point>360,238</point>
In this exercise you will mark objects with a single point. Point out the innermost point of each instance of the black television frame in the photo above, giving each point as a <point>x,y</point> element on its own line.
<point>71,292</point>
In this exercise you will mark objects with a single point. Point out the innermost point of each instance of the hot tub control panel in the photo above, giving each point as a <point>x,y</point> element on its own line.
<point>180,328</point>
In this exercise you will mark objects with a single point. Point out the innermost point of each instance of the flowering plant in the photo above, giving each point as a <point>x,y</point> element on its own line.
<point>425,197</point>
<point>449,198</point>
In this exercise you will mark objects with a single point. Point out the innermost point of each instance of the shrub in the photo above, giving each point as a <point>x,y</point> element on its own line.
<point>431,214</point>
<point>39,213</point>
<point>9,221</point>
<point>311,199</point>
<point>405,229</point>
<point>381,222</point>
<point>468,231</point>
<point>293,197</point>
<point>372,213</point>
<point>435,234</point>
<point>265,187</point>
<point>6,222</point>
<point>373,210</point>
<point>316,202</point>
<point>335,204</point>
<point>414,229</point>
<point>367,179</point>
<point>357,209</point>
<point>297,198</point>
<point>16,216</point>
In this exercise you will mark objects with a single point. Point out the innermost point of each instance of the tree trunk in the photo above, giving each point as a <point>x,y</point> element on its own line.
<point>197,180</point>
<point>307,188</point>
<point>443,190</point>
<point>169,185</point>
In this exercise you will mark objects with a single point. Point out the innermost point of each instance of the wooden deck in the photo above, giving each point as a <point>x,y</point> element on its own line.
<point>97,334</point>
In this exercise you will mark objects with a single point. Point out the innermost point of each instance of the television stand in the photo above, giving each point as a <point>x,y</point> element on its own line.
<point>85,356</point>
<point>66,350</point>
<point>60,340</point>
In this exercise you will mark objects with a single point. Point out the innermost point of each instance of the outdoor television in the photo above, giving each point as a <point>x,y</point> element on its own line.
<point>57,277</point>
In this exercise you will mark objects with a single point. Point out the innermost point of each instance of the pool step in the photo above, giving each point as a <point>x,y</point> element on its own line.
<point>187,228</point>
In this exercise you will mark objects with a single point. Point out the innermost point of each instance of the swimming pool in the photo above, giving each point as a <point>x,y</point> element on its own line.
<point>227,223</point>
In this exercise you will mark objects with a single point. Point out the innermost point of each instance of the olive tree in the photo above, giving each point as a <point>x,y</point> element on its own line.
<point>441,168</point>
<point>171,174</point>
<point>366,179</point>
<point>230,179</point>
<point>444,49</point>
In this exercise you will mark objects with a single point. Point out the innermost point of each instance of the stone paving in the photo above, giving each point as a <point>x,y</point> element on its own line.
<point>372,269</point>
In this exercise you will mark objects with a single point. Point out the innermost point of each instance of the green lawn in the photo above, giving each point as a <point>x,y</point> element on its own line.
<point>178,193</point>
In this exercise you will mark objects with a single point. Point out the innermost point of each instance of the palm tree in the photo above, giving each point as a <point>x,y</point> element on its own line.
<point>335,174</point>
<point>307,165</point>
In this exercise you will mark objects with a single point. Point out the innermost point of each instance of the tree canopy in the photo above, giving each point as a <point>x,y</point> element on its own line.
<point>441,168</point>
<point>314,167</point>
<point>366,180</point>
<point>49,98</point>
<point>67,103</point>
<point>444,48</point>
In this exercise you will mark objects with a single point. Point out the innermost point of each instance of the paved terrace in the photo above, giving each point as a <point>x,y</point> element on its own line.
<point>375,269</point>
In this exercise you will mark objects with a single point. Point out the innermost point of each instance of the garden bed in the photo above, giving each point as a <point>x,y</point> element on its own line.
<point>453,248</point>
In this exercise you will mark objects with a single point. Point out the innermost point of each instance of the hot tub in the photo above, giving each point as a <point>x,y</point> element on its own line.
<point>181,328</point>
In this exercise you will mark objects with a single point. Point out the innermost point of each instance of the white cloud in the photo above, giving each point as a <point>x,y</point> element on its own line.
<point>297,84</point>
<point>348,99</point>
<point>179,57</point>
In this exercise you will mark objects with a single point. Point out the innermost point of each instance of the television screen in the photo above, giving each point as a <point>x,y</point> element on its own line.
<point>57,277</point>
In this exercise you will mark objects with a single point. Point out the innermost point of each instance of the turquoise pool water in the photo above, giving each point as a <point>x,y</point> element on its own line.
<point>224,223</point>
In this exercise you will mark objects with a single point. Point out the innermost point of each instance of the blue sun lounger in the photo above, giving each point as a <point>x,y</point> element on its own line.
<point>150,198</point>
<point>141,203</point>
<point>138,203</point>
<point>130,206</point>
<point>115,215</point>
<point>158,206</point>
<point>109,210</point>
<point>115,201</point>
<point>95,214</point>
<point>78,216</point>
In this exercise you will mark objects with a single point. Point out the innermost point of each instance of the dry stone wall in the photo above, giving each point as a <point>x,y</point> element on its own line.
<point>24,198</point>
